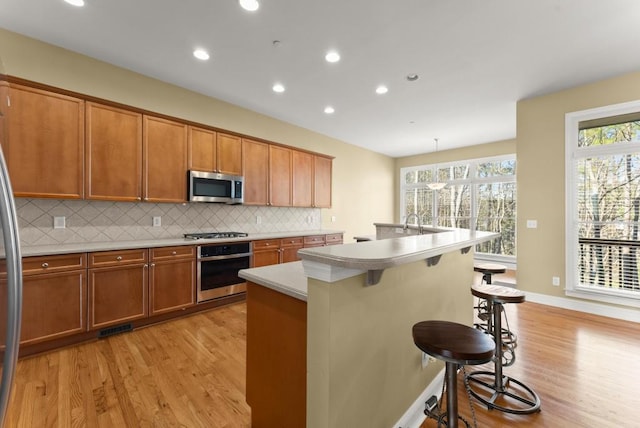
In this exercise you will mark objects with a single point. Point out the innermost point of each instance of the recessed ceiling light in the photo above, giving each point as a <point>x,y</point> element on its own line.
<point>412,77</point>
<point>382,90</point>
<point>201,54</point>
<point>332,56</point>
<point>75,2</point>
<point>250,5</point>
<point>278,87</point>
<point>329,110</point>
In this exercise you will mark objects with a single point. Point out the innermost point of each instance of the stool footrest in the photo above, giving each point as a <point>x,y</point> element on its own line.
<point>501,395</point>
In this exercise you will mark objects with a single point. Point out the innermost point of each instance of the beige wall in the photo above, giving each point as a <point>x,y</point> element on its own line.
<point>541,180</point>
<point>356,172</point>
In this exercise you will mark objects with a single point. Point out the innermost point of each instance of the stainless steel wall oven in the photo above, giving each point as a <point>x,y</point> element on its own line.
<point>218,266</point>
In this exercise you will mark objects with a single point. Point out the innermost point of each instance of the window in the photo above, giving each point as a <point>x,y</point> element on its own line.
<point>603,211</point>
<point>480,194</point>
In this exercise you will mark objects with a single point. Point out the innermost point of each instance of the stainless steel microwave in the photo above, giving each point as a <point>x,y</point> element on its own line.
<point>214,187</point>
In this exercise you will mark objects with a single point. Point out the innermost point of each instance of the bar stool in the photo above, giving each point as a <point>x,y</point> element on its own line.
<point>495,385</point>
<point>456,344</point>
<point>485,312</point>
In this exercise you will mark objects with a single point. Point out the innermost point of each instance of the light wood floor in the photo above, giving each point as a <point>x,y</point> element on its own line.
<point>190,373</point>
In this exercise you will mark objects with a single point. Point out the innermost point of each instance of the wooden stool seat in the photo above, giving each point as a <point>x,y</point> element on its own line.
<point>456,344</point>
<point>497,293</point>
<point>488,269</point>
<point>453,342</point>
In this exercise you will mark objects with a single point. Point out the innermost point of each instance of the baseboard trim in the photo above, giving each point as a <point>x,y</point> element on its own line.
<point>414,416</point>
<point>584,306</point>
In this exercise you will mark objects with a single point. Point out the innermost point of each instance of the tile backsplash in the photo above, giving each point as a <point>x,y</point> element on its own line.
<point>95,221</point>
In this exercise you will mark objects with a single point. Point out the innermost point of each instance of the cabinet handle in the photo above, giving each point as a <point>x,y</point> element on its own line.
<point>173,253</point>
<point>139,198</point>
<point>153,264</point>
<point>146,266</point>
<point>45,265</point>
<point>119,258</point>
<point>267,244</point>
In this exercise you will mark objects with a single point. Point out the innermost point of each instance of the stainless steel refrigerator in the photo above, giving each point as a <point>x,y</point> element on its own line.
<point>11,289</point>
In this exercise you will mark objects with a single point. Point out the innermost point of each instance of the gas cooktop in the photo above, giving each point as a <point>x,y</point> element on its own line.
<point>215,235</point>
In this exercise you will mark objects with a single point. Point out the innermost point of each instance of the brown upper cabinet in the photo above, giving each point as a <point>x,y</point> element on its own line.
<point>280,180</point>
<point>165,160</point>
<point>113,151</point>
<point>255,161</point>
<point>321,182</point>
<point>44,144</point>
<point>302,170</point>
<point>214,151</point>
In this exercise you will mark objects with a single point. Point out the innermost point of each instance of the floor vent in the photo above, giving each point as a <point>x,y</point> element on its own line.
<point>114,330</point>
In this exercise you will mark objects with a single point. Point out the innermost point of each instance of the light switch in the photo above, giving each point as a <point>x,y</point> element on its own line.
<point>532,224</point>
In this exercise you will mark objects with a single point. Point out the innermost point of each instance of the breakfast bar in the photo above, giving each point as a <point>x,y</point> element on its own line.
<point>329,338</point>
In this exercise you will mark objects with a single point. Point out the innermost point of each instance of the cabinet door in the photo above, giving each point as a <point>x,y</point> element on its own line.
<point>255,160</point>
<point>165,160</point>
<point>45,144</point>
<point>202,149</point>
<point>54,305</point>
<point>279,176</point>
<point>302,167</point>
<point>322,182</point>
<point>229,154</point>
<point>113,153</point>
<point>171,285</point>
<point>266,257</point>
<point>117,295</point>
<point>289,249</point>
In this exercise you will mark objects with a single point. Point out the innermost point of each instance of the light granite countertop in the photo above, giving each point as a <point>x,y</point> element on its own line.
<point>286,278</point>
<point>336,262</point>
<point>87,247</point>
<point>386,253</point>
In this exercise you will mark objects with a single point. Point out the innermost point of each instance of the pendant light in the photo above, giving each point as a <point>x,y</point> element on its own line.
<point>436,185</point>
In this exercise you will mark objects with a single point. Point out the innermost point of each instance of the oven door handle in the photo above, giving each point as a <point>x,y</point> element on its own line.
<point>225,257</point>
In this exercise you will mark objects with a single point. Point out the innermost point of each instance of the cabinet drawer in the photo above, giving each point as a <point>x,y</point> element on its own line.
<point>45,264</point>
<point>292,242</point>
<point>115,258</point>
<point>168,253</point>
<point>314,240</point>
<point>334,239</point>
<point>266,244</point>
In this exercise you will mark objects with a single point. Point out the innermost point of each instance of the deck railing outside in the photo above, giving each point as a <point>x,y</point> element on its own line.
<point>609,263</point>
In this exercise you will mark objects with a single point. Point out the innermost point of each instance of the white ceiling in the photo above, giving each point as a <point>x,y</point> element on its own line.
<point>475,58</point>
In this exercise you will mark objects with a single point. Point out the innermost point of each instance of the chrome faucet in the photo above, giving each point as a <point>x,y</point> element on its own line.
<point>406,222</point>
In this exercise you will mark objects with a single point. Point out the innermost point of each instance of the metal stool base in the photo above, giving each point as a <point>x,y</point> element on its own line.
<point>520,400</point>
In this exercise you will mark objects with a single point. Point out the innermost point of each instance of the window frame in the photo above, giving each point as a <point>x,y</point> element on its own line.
<point>472,181</point>
<point>573,153</point>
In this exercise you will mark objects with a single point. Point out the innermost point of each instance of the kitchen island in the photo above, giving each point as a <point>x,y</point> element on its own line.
<point>329,338</point>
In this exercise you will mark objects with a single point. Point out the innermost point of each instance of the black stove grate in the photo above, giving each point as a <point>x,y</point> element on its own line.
<point>215,235</point>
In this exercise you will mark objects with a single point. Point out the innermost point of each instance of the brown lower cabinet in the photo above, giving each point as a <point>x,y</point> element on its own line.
<point>117,287</point>
<point>171,279</point>
<point>128,285</point>
<point>54,298</point>
<point>274,251</point>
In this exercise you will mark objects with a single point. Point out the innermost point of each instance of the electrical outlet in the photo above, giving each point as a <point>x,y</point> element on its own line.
<point>555,280</point>
<point>309,219</point>
<point>532,224</point>
<point>425,360</point>
<point>258,219</point>
<point>157,221</point>
<point>333,219</point>
<point>59,222</point>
